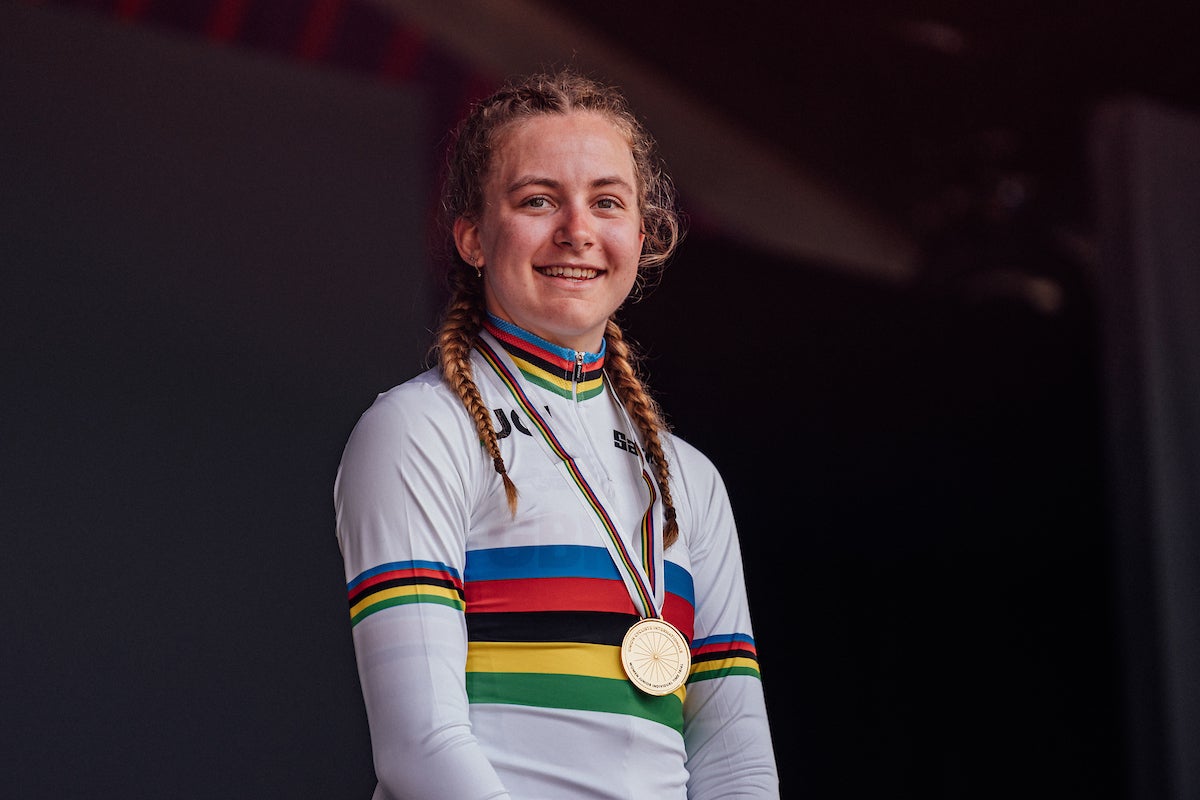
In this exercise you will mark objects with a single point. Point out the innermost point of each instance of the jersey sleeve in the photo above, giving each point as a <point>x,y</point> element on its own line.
<point>726,731</point>
<point>402,502</point>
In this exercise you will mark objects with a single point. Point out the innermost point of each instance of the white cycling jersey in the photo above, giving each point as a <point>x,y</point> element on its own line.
<point>487,642</point>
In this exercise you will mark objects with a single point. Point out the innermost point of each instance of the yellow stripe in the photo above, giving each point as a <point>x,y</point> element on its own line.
<point>563,383</point>
<point>728,663</point>
<point>404,591</point>
<point>568,658</point>
<point>541,372</point>
<point>587,386</point>
<point>548,658</point>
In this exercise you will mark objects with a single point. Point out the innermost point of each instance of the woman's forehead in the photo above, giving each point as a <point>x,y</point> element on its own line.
<point>550,140</point>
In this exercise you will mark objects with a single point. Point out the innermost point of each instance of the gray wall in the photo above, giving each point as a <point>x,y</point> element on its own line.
<point>212,260</point>
<point>1146,158</point>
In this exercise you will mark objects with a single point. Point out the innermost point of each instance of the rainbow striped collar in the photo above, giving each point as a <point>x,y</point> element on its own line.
<point>548,365</point>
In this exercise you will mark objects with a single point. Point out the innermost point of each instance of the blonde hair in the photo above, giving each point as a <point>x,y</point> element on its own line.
<point>475,140</point>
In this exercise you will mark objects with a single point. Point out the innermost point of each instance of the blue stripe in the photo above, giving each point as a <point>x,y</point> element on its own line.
<point>679,582</point>
<point>546,561</point>
<point>537,341</point>
<point>394,565</point>
<point>726,638</point>
<point>563,561</point>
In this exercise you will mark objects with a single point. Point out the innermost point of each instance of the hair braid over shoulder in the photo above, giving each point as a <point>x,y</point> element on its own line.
<point>474,143</point>
<point>461,321</point>
<point>622,363</point>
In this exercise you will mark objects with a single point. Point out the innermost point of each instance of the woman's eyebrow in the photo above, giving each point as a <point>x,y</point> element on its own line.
<point>613,180</point>
<point>531,180</point>
<point>550,183</point>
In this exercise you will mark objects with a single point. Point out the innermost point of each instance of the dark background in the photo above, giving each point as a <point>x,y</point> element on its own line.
<point>215,242</point>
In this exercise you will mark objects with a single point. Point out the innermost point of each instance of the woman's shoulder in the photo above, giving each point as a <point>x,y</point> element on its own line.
<point>424,391</point>
<point>413,420</point>
<point>421,402</point>
<point>692,469</point>
<point>687,455</point>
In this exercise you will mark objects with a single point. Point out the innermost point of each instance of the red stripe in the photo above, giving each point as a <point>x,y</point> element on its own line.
<point>549,594</point>
<point>407,573</point>
<point>679,612</point>
<point>724,647</point>
<point>529,347</point>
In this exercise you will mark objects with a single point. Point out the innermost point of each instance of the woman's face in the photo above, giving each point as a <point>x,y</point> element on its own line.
<point>560,233</point>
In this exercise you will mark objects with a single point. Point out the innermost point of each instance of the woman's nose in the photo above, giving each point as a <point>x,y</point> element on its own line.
<point>575,231</point>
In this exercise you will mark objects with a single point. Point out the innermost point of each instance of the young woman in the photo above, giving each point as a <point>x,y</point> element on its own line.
<point>546,589</point>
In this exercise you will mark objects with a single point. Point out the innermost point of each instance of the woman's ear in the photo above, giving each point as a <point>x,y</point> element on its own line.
<point>466,240</point>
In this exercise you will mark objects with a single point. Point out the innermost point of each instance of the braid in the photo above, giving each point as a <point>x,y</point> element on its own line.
<point>461,322</point>
<point>621,361</point>
<point>472,146</point>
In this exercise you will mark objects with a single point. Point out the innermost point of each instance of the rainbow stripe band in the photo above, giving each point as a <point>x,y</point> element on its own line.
<point>546,364</point>
<point>718,656</point>
<point>403,582</point>
<point>644,595</point>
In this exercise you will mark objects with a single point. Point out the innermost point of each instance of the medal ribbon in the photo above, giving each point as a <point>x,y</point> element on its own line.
<point>641,592</point>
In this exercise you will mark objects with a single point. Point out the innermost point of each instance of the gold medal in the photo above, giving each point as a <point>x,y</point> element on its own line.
<point>655,656</point>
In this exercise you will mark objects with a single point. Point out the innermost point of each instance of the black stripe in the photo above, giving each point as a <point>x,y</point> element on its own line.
<point>720,655</point>
<point>412,580</point>
<point>553,369</point>
<point>590,627</point>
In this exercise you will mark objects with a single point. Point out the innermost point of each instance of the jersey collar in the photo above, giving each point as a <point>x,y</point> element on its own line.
<point>573,374</point>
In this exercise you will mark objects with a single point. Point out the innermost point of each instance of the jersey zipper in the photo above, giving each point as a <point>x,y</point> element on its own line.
<point>578,376</point>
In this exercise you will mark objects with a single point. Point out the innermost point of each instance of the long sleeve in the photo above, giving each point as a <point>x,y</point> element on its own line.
<point>402,500</point>
<point>488,643</point>
<point>726,730</point>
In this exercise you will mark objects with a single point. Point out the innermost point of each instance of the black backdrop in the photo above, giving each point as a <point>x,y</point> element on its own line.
<point>214,260</point>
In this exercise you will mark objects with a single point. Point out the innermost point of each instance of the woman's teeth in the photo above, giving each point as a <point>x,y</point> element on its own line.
<point>583,273</point>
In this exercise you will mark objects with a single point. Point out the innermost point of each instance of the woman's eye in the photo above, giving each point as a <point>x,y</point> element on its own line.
<point>537,202</point>
<point>607,203</point>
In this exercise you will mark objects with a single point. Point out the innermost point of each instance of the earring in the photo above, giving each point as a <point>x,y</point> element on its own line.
<point>475,264</point>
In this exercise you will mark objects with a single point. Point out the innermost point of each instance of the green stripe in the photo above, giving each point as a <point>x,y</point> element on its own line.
<point>405,600</point>
<point>587,395</point>
<point>547,384</point>
<point>576,692</point>
<point>696,677</point>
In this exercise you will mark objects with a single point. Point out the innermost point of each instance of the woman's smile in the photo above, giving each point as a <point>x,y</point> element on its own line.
<point>560,236</point>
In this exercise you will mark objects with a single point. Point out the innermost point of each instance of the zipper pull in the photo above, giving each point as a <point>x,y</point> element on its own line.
<point>578,366</point>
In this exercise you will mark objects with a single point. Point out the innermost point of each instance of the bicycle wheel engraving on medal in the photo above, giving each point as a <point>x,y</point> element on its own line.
<point>655,656</point>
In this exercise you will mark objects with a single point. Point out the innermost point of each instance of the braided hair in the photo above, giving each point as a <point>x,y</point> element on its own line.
<point>474,141</point>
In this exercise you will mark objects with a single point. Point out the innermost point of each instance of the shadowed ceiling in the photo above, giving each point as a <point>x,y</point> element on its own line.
<point>872,135</point>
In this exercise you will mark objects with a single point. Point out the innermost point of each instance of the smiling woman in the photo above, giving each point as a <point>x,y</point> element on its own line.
<point>540,573</point>
<point>559,236</point>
